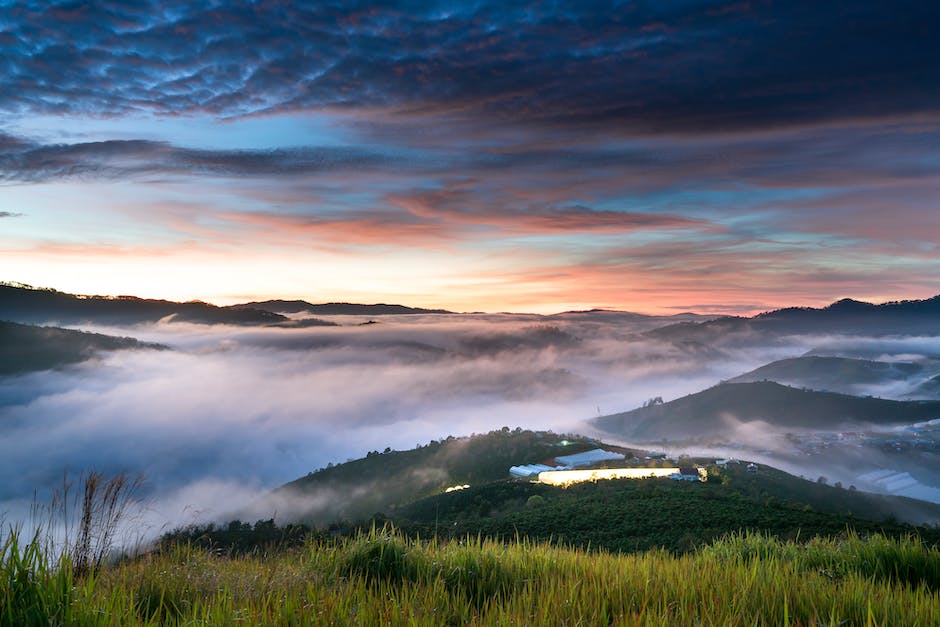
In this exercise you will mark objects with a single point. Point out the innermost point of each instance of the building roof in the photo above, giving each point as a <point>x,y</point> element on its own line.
<point>529,470</point>
<point>588,457</point>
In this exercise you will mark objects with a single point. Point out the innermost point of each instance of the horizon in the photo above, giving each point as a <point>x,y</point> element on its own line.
<point>310,301</point>
<point>475,157</point>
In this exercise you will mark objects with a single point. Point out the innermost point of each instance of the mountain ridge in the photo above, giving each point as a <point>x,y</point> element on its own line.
<point>707,413</point>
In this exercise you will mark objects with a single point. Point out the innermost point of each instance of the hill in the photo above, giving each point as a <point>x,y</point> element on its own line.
<point>36,306</point>
<point>832,374</point>
<point>380,482</point>
<point>409,488</point>
<point>928,389</point>
<point>25,348</point>
<point>719,409</point>
<point>844,317</point>
<point>335,309</point>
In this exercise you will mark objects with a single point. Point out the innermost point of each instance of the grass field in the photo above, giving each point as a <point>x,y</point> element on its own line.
<point>384,578</point>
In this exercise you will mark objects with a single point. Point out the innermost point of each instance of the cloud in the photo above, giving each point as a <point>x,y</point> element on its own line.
<point>468,205</point>
<point>118,159</point>
<point>10,214</point>
<point>693,67</point>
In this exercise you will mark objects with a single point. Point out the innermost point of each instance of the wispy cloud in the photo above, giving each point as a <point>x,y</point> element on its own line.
<point>31,162</point>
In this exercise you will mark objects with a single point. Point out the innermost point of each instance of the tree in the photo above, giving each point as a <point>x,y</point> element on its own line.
<point>535,501</point>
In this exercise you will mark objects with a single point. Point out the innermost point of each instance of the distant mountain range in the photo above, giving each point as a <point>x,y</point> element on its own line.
<point>719,410</point>
<point>29,305</point>
<point>21,303</point>
<point>335,309</point>
<point>25,348</point>
<point>844,317</point>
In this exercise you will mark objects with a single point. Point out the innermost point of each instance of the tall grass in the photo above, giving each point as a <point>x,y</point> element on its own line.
<point>84,517</point>
<point>384,578</point>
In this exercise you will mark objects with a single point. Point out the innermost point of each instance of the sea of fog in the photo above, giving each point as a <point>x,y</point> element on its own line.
<point>231,412</point>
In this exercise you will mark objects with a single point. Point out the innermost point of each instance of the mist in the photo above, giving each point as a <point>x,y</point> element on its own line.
<point>230,413</point>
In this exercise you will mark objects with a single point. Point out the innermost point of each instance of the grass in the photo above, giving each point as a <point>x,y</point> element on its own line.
<point>385,578</point>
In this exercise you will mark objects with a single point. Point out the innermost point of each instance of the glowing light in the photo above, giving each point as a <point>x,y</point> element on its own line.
<point>569,477</point>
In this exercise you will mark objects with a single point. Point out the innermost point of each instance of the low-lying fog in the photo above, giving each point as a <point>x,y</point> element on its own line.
<point>231,412</point>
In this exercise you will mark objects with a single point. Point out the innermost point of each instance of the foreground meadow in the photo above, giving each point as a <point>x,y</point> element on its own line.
<point>384,578</point>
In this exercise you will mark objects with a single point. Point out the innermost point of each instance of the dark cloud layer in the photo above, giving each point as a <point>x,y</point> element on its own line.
<point>33,162</point>
<point>679,66</point>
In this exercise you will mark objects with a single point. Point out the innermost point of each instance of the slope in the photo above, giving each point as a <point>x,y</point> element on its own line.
<point>25,348</point>
<point>382,481</point>
<point>833,374</point>
<point>715,411</point>
<point>631,515</point>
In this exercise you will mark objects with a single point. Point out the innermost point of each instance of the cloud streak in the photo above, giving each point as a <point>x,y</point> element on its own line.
<point>34,163</point>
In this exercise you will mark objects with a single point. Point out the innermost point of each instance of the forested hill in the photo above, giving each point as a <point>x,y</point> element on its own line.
<point>719,409</point>
<point>384,480</point>
<point>833,374</point>
<point>409,488</point>
<point>25,348</point>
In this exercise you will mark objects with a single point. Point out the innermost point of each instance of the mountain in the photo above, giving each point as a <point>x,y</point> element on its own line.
<point>832,374</point>
<point>25,348</point>
<point>36,306</point>
<point>335,309</point>
<point>718,410</point>
<point>844,317</point>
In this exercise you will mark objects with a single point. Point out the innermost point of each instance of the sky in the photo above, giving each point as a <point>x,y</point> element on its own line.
<point>657,157</point>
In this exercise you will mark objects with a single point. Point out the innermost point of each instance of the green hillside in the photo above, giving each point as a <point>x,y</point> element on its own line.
<point>408,488</point>
<point>382,481</point>
<point>25,348</point>
<point>715,411</point>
